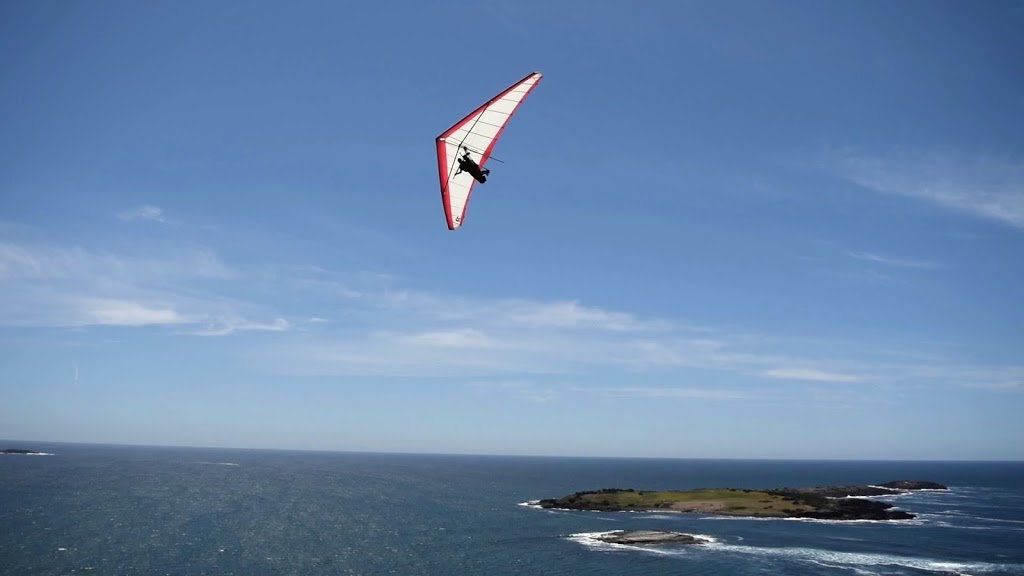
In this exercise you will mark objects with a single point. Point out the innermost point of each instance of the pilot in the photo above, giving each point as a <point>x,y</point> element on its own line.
<point>466,164</point>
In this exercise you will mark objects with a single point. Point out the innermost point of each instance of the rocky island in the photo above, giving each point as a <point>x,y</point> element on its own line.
<point>648,537</point>
<point>821,502</point>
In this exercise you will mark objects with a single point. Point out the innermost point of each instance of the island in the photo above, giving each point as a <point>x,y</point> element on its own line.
<point>19,451</point>
<point>820,502</point>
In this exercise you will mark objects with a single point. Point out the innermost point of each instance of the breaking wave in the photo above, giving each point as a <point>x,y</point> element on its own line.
<point>858,562</point>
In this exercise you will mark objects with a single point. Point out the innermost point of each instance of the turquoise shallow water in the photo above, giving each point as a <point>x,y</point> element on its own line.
<point>132,510</point>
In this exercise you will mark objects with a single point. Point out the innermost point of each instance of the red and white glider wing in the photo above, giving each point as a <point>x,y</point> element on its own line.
<point>477,132</point>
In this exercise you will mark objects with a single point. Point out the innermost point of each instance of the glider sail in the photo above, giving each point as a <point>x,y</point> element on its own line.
<point>477,133</point>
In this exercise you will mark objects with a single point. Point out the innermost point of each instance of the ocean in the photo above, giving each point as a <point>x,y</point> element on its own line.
<point>121,510</point>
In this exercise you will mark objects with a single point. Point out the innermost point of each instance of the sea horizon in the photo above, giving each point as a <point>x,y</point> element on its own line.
<point>11,443</point>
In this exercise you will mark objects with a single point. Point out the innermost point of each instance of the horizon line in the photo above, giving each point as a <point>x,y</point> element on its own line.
<point>508,455</point>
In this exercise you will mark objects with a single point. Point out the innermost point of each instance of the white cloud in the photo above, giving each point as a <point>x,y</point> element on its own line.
<point>459,338</point>
<point>381,330</point>
<point>990,188</point>
<point>897,262</point>
<point>406,333</point>
<point>50,286</point>
<point>204,263</point>
<point>491,344</point>
<point>108,312</point>
<point>224,327</point>
<point>1005,386</point>
<point>998,379</point>
<point>394,355</point>
<point>676,392</point>
<point>16,261</point>
<point>572,315</point>
<point>146,212</point>
<point>808,374</point>
<point>48,262</point>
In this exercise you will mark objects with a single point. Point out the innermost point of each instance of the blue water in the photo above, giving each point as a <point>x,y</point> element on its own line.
<point>116,510</point>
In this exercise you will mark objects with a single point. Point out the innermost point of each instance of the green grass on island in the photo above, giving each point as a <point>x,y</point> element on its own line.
<point>721,501</point>
<point>825,502</point>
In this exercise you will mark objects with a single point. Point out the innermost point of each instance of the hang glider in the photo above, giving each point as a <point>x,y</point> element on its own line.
<point>463,149</point>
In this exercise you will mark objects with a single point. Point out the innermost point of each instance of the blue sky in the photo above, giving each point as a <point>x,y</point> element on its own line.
<point>721,229</point>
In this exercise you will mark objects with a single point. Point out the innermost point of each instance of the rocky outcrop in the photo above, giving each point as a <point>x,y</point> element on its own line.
<point>914,485</point>
<point>887,488</point>
<point>853,509</point>
<point>649,537</point>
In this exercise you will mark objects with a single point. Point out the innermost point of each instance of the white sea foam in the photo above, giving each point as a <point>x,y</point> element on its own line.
<point>965,516</point>
<point>942,521</point>
<point>533,504</point>
<point>906,491</point>
<point>855,569</point>
<point>901,522</point>
<point>860,562</point>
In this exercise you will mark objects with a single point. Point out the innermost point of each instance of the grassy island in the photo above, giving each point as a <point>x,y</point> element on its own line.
<point>828,502</point>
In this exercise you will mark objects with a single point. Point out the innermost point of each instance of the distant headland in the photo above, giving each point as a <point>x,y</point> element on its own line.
<point>820,502</point>
<point>20,451</point>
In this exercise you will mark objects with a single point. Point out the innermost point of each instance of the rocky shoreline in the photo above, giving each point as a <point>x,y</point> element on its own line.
<point>820,502</point>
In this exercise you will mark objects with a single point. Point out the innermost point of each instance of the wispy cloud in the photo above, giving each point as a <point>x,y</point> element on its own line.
<point>998,379</point>
<point>52,286</point>
<point>146,212</point>
<point>810,374</point>
<point>226,326</point>
<point>574,315</point>
<point>491,338</point>
<point>110,312</point>
<point>990,188</point>
<point>409,333</point>
<point>381,328</point>
<point>896,262</point>
<point>50,262</point>
<point>464,338</point>
<point>677,392</point>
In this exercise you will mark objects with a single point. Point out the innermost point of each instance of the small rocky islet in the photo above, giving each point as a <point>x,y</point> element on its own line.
<point>819,502</point>
<point>643,537</point>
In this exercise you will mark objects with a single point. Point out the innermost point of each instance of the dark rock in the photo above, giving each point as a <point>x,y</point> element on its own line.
<point>855,509</point>
<point>914,485</point>
<point>649,537</point>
